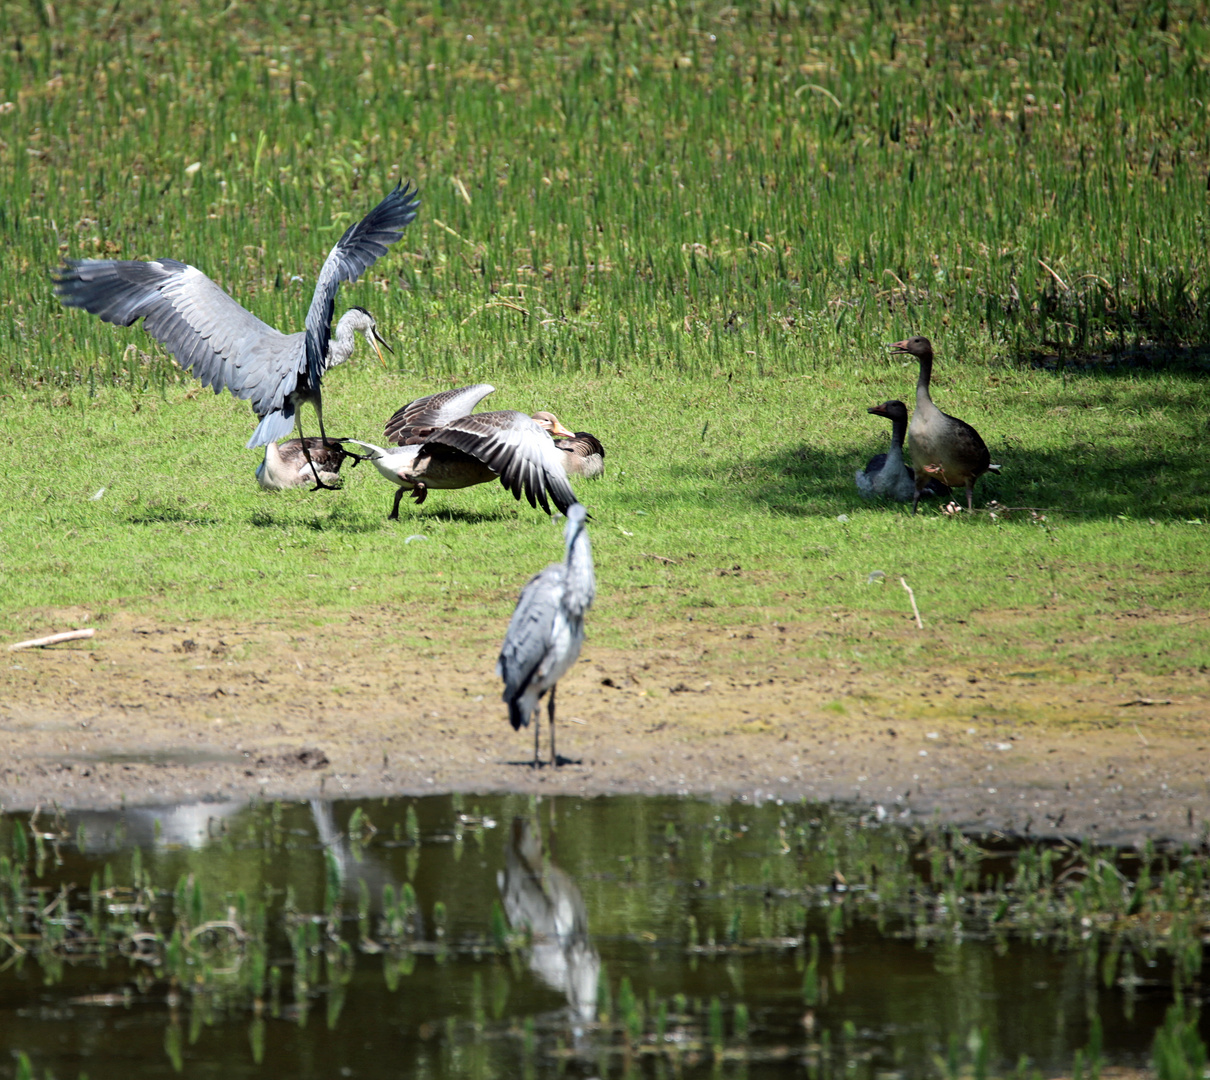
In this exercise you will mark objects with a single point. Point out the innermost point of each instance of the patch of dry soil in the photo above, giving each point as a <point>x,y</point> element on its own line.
<point>151,712</point>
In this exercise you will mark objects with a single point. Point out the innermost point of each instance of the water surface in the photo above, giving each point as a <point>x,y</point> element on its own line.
<point>509,937</point>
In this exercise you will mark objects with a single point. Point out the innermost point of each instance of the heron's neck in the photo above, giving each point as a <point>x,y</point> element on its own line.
<point>581,588</point>
<point>340,348</point>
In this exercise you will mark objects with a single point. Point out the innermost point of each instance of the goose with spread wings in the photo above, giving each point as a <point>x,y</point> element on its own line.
<point>444,445</point>
<point>225,345</point>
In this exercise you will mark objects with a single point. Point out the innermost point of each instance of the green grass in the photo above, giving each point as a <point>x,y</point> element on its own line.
<point>749,519</point>
<point>690,230</point>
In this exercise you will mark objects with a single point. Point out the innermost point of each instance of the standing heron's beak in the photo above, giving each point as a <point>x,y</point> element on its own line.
<point>376,339</point>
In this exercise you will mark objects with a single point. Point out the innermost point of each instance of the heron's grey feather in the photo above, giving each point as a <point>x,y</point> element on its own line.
<point>527,638</point>
<point>436,410</point>
<point>208,333</point>
<point>547,628</point>
<point>362,244</point>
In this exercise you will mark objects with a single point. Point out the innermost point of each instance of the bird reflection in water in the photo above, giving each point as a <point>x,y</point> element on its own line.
<point>539,895</point>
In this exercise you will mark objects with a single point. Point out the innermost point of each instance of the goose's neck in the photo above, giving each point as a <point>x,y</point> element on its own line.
<point>923,379</point>
<point>898,432</point>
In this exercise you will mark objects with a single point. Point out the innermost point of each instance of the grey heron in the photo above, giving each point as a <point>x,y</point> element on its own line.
<point>542,898</point>
<point>225,345</point>
<point>292,464</point>
<point>547,629</point>
<point>941,445</point>
<point>886,474</point>
<point>583,455</point>
<point>443,445</point>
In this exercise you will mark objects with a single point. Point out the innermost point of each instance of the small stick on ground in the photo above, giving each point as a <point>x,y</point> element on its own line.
<point>912,598</point>
<point>661,558</point>
<point>53,639</point>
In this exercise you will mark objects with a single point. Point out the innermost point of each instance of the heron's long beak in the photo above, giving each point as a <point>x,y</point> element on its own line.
<point>376,339</point>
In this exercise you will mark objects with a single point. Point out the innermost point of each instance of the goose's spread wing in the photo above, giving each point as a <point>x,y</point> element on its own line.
<point>362,245</point>
<point>436,410</point>
<point>528,636</point>
<point>209,334</point>
<point>513,445</point>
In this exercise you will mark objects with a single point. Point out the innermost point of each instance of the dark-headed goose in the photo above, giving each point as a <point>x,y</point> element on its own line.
<point>941,446</point>
<point>443,445</point>
<point>583,454</point>
<point>886,474</point>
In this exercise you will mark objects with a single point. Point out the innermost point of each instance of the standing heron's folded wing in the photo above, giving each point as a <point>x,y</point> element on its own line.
<point>359,248</point>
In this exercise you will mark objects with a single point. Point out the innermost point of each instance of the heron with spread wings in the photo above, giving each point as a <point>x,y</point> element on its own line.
<point>225,345</point>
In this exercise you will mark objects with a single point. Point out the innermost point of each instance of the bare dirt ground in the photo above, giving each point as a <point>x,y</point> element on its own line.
<point>151,712</point>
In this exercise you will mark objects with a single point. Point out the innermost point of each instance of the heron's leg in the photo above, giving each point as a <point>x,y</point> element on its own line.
<point>537,724</point>
<point>307,453</point>
<point>554,758</point>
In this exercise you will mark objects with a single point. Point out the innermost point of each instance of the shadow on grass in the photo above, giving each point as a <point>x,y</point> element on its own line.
<point>1089,481</point>
<point>154,514</point>
<point>360,522</point>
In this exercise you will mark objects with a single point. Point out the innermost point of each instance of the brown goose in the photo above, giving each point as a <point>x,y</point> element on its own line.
<point>583,454</point>
<point>286,466</point>
<point>886,474</point>
<point>941,445</point>
<point>443,445</point>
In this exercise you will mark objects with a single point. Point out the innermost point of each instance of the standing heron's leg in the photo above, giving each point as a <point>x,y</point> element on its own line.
<point>537,724</point>
<point>554,758</point>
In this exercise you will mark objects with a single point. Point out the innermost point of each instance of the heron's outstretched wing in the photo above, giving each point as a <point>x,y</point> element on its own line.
<point>528,636</point>
<point>437,410</point>
<point>362,245</point>
<point>513,445</point>
<point>209,334</point>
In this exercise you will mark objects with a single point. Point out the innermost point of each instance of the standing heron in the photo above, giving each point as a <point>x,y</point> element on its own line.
<point>225,345</point>
<point>547,629</point>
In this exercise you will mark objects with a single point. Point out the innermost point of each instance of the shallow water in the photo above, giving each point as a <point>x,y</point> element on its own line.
<point>617,937</point>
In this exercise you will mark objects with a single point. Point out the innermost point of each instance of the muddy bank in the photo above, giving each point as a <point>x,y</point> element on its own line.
<point>152,712</point>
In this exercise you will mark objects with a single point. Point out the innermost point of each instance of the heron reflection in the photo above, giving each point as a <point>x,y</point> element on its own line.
<point>539,895</point>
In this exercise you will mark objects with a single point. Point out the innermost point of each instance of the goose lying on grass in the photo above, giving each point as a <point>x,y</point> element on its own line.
<point>285,465</point>
<point>886,474</point>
